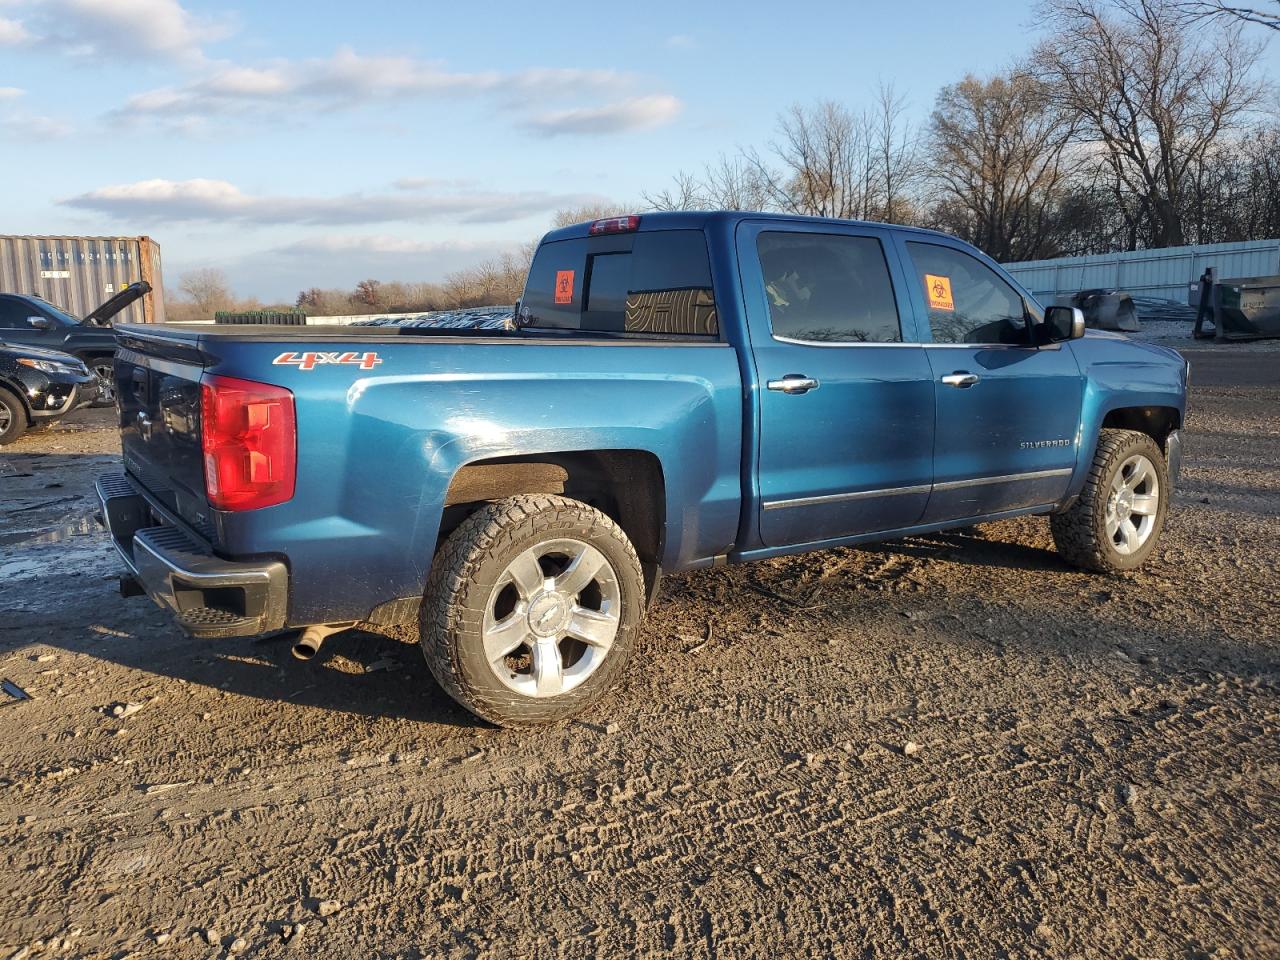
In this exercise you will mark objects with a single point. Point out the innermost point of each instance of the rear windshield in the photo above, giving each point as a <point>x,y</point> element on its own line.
<point>656,282</point>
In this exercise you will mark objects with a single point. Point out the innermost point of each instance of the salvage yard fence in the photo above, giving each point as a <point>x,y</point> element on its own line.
<point>1170,273</point>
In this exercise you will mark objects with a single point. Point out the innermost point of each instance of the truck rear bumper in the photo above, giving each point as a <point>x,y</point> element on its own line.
<point>210,597</point>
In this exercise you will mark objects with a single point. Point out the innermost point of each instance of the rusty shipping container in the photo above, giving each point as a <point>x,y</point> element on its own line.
<point>78,273</point>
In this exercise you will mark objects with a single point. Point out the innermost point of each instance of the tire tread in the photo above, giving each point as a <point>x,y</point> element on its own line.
<point>453,571</point>
<point>1078,532</point>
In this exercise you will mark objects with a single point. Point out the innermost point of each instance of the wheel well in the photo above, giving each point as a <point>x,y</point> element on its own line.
<point>1155,422</point>
<point>627,485</point>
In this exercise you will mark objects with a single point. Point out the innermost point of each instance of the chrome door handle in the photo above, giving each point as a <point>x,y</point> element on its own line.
<point>959,379</point>
<point>793,383</point>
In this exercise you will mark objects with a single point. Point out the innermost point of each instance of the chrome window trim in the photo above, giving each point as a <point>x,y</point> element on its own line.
<point>992,346</point>
<point>919,488</point>
<point>917,343</point>
<point>843,343</point>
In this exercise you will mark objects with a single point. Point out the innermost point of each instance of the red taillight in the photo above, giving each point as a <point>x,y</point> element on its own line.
<point>250,438</point>
<point>615,225</point>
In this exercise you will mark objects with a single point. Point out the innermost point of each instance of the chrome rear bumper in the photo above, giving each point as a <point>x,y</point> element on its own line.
<point>209,596</point>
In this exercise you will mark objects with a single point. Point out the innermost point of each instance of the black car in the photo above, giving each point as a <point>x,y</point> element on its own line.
<point>34,321</point>
<point>37,387</point>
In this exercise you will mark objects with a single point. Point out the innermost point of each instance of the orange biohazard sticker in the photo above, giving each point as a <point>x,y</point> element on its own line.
<point>564,286</point>
<point>938,290</point>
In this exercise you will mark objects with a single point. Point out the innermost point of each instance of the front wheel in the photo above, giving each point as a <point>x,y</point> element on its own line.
<point>13,418</point>
<point>531,609</point>
<point>1116,522</point>
<point>104,370</point>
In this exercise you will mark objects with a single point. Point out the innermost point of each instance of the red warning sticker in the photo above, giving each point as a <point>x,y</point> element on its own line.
<point>564,286</point>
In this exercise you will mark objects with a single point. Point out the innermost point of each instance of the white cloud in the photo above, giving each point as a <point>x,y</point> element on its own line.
<point>221,201</point>
<point>427,183</point>
<point>114,29</point>
<point>680,41</point>
<point>13,32</point>
<point>349,79</point>
<point>11,93</point>
<point>638,113</point>
<point>29,127</point>
<point>377,244</point>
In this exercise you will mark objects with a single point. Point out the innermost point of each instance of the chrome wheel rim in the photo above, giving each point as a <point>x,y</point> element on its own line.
<point>105,373</point>
<point>6,417</point>
<point>1132,504</point>
<point>551,618</point>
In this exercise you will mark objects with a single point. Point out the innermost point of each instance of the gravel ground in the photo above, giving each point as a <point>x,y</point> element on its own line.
<point>945,746</point>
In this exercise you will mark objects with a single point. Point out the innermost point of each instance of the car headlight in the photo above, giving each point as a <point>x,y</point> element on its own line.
<point>48,366</point>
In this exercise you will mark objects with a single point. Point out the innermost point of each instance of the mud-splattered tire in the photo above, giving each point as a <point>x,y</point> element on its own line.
<point>13,417</point>
<point>531,609</point>
<point>1128,479</point>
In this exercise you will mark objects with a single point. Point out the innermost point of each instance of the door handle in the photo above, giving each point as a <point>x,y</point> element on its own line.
<point>960,379</point>
<point>793,383</point>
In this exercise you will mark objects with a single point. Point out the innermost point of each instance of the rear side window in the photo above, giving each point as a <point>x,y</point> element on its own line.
<point>655,282</point>
<point>968,302</point>
<point>14,314</point>
<point>828,288</point>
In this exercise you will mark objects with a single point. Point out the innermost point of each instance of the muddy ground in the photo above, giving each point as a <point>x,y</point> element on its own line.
<point>1097,772</point>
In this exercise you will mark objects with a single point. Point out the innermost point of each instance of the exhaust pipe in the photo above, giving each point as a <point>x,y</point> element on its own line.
<point>308,645</point>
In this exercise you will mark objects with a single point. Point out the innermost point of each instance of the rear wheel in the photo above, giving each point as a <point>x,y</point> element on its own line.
<point>13,418</point>
<point>531,609</point>
<point>1117,520</point>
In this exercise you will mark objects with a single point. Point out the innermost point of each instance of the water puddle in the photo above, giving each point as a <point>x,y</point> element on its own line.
<point>79,527</point>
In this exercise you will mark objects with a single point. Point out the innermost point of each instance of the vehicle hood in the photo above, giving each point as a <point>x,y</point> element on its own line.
<point>1110,339</point>
<point>102,315</point>
<point>16,351</point>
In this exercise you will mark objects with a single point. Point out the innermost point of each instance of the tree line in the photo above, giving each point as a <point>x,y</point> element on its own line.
<point>1134,124</point>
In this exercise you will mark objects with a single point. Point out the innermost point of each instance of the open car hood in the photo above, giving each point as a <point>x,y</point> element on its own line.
<point>114,304</point>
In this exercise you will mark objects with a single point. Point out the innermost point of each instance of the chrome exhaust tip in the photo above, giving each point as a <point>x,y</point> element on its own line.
<point>308,645</point>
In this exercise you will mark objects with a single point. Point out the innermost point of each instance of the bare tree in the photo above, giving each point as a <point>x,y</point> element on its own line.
<point>590,211</point>
<point>1000,163</point>
<point>208,288</point>
<point>1153,95</point>
<point>819,165</point>
<point>685,193</point>
<point>1219,9</point>
<point>896,157</point>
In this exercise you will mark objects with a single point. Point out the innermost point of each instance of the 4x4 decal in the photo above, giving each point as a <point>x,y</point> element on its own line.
<point>309,361</point>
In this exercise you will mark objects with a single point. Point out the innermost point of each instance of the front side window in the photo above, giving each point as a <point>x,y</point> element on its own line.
<point>828,288</point>
<point>651,282</point>
<point>967,301</point>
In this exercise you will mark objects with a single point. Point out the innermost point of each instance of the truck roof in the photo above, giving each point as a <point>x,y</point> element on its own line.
<point>701,219</point>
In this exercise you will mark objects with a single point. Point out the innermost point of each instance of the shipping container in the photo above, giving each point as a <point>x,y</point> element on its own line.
<point>1170,272</point>
<point>78,273</point>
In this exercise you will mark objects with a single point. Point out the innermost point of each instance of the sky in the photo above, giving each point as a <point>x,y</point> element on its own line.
<point>300,143</point>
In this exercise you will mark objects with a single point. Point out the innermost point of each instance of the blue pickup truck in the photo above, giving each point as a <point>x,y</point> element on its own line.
<point>675,391</point>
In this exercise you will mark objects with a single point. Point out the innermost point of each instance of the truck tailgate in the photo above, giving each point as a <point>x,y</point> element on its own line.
<point>158,385</point>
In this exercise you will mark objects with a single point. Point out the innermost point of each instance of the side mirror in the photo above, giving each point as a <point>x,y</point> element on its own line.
<point>40,323</point>
<point>1063,323</point>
